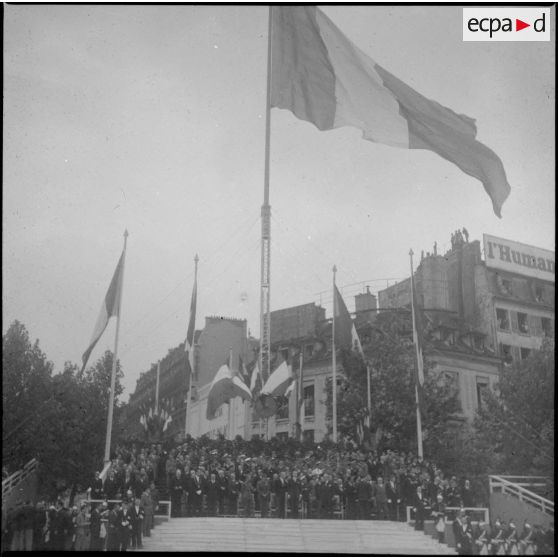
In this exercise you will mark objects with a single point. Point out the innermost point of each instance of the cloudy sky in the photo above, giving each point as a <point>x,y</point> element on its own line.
<point>152,118</point>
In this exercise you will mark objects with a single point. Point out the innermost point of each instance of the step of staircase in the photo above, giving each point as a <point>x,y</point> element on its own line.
<point>213,534</point>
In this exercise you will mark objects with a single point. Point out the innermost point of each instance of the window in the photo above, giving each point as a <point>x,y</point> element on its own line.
<point>507,286</point>
<point>308,350</point>
<point>309,401</point>
<point>282,408</point>
<point>506,353</point>
<point>546,324</point>
<point>503,319</point>
<point>482,388</point>
<point>539,293</point>
<point>524,352</point>
<point>451,379</point>
<point>522,322</point>
<point>282,435</point>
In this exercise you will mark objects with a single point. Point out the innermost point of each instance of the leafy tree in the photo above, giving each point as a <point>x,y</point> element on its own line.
<point>58,419</point>
<point>26,377</point>
<point>516,421</point>
<point>391,358</point>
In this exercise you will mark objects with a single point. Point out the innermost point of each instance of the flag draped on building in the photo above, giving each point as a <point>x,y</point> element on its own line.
<point>321,77</point>
<point>109,308</point>
<point>346,335</point>
<point>278,381</point>
<point>224,387</point>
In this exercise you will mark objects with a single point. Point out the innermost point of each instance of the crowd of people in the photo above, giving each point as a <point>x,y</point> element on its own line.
<point>266,479</point>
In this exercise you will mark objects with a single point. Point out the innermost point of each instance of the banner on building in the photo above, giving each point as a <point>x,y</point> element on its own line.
<point>519,258</point>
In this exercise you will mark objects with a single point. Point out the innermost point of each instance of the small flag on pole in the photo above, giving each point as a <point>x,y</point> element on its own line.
<point>418,340</point>
<point>109,308</point>
<point>189,343</point>
<point>346,335</point>
<point>321,77</point>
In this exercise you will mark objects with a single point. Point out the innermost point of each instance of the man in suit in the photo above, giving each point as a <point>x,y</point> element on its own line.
<point>233,491</point>
<point>462,534</point>
<point>324,497</point>
<point>222,490</point>
<point>263,488</point>
<point>380,497</point>
<point>280,489</point>
<point>97,487</point>
<point>135,517</point>
<point>176,491</point>
<point>195,493</point>
<point>393,498</point>
<point>294,491</point>
<point>364,495</point>
<point>212,491</point>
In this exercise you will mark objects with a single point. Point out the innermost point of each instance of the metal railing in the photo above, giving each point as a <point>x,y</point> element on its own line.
<point>14,479</point>
<point>166,504</point>
<point>516,486</point>
<point>476,513</point>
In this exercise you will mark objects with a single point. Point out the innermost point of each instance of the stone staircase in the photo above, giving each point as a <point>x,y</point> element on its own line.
<point>218,534</point>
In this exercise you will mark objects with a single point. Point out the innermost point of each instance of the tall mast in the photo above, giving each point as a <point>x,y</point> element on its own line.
<point>265,333</point>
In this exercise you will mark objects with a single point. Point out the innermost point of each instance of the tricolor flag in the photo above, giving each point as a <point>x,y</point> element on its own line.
<point>346,336</point>
<point>418,340</point>
<point>109,308</point>
<point>278,381</point>
<point>223,389</point>
<point>243,372</point>
<point>290,388</point>
<point>321,77</point>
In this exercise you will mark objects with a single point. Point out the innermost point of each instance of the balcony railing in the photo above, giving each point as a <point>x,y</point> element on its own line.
<point>522,488</point>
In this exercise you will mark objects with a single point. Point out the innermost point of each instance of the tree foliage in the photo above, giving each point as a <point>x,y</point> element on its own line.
<point>58,419</point>
<point>391,359</point>
<point>516,422</point>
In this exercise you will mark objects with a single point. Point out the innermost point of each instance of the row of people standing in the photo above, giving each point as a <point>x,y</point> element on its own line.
<point>501,538</point>
<point>87,526</point>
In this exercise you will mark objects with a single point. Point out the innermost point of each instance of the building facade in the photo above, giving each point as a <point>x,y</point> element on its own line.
<point>220,338</point>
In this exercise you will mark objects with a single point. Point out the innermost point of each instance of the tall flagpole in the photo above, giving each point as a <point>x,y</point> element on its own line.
<point>115,358</point>
<point>265,334</point>
<point>299,396</point>
<point>157,388</point>
<point>419,422</point>
<point>188,414</point>
<point>368,393</point>
<point>230,400</point>
<point>334,361</point>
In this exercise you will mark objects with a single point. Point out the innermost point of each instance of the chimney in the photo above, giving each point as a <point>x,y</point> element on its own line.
<point>365,301</point>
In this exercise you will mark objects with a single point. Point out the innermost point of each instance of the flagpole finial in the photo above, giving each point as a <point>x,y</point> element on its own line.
<point>411,253</point>
<point>334,269</point>
<point>126,233</point>
<point>196,259</point>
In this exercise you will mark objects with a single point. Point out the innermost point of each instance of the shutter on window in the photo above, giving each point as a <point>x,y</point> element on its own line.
<point>514,323</point>
<point>535,326</point>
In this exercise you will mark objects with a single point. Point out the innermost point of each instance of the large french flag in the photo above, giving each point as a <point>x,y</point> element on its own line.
<point>109,308</point>
<point>320,76</point>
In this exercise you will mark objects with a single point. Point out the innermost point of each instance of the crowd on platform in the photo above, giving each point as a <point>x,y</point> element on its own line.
<point>266,479</point>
